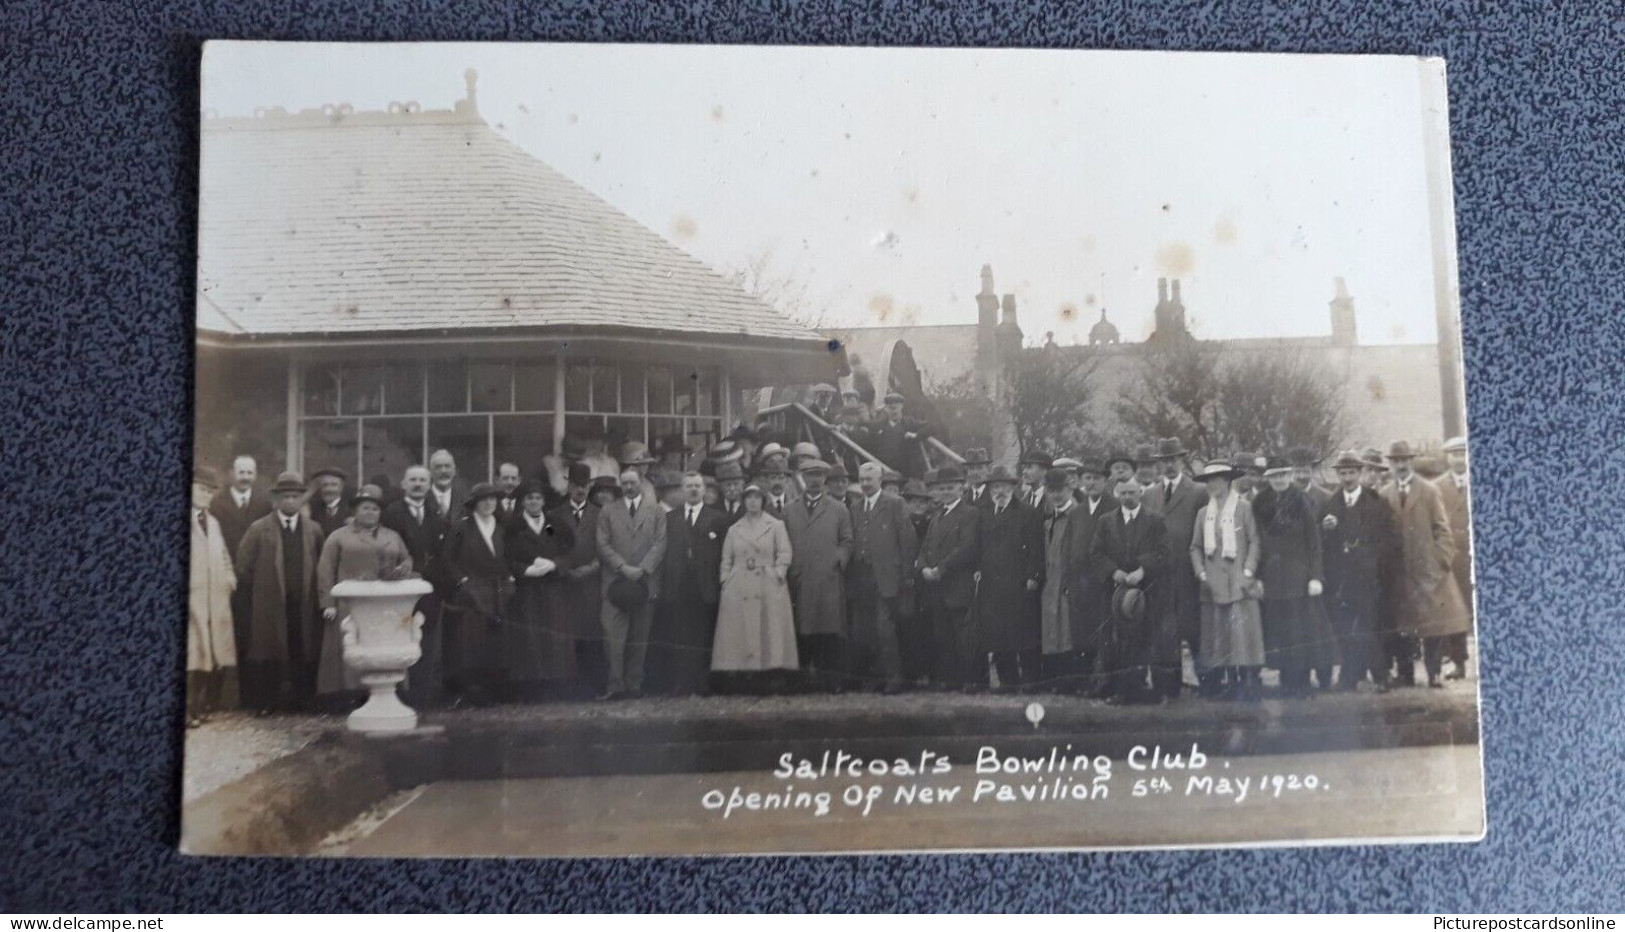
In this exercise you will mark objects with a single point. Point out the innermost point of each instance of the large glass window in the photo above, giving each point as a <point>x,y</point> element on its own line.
<point>375,421</point>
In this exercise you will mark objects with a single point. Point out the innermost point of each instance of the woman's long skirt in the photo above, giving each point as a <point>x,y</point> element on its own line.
<point>1297,635</point>
<point>1232,634</point>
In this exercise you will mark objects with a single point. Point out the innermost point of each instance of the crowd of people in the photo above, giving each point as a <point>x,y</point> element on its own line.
<point>766,568</point>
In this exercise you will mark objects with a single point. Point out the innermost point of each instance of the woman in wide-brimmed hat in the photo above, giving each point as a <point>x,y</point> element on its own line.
<point>1297,634</point>
<point>755,630</point>
<point>479,585</point>
<point>1224,553</point>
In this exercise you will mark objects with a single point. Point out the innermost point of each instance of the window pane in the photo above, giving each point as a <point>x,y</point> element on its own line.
<point>533,386</point>
<point>448,386</point>
<point>706,393</point>
<point>403,389</point>
<point>523,439</point>
<point>465,437</point>
<point>321,391</point>
<point>605,398</point>
<point>363,391</point>
<point>491,386</point>
<point>586,430</point>
<point>686,381</point>
<point>632,388</point>
<point>622,429</point>
<point>577,378</point>
<point>331,442</point>
<point>659,390</point>
<point>388,446</point>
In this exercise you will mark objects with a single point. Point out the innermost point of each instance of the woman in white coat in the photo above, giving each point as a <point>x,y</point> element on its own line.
<point>756,631</point>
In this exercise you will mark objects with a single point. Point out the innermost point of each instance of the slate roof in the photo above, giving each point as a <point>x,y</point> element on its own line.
<point>334,223</point>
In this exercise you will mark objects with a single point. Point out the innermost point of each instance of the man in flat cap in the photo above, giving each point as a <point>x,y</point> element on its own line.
<point>1428,602</point>
<point>276,570</point>
<point>1178,500</point>
<point>820,532</point>
<point>1453,489</point>
<point>947,562</point>
<point>1357,545</point>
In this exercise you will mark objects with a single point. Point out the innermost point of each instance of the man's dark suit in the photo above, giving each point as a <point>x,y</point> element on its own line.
<point>1183,595</point>
<point>951,545</point>
<point>580,593</point>
<point>884,547</point>
<point>1011,561</point>
<point>1354,555</point>
<point>1140,544</point>
<point>423,540</point>
<point>690,582</point>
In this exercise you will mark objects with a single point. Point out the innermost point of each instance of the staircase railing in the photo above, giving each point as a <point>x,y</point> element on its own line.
<point>803,423</point>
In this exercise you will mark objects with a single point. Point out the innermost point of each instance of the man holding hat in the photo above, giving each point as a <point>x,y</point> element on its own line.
<point>820,531</point>
<point>211,642</point>
<point>947,560</point>
<point>579,591</point>
<point>1011,545</point>
<point>631,545</point>
<point>1130,551</point>
<point>276,570</point>
<point>1357,545</point>
<point>1428,602</point>
<point>1177,499</point>
<point>1453,489</point>
<point>884,547</point>
<point>328,508</point>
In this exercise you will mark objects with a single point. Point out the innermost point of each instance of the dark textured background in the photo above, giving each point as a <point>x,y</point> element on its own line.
<point>98,155</point>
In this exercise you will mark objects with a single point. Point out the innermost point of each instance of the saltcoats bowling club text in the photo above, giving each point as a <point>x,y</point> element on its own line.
<point>1062,775</point>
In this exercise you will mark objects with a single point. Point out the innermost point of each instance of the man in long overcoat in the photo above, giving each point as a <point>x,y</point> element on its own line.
<point>1011,551</point>
<point>1453,489</point>
<point>631,544</point>
<point>689,586</point>
<point>276,568</point>
<point>884,545</point>
<point>236,507</point>
<point>211,642</point>
<point>1090,602</point>
<point>820,532</point>
<point>947,561</point>
<point>1357,541</point>
<point>579,596</point>
<point>1177,498</point>
<point>1130,550</point>
<point>1427,601</point>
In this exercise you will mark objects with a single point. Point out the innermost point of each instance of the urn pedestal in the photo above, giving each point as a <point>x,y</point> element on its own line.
<point>382,635</point>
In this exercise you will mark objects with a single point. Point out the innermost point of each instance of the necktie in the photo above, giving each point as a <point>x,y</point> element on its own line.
<point>577,513</point>
<point>1404,492</point>
<point>693,515</point>
<point>1167,491</point>
<point>288,523</point>
<point>203,522</point>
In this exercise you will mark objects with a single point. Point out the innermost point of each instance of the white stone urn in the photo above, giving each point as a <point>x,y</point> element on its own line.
<point>381,642</point>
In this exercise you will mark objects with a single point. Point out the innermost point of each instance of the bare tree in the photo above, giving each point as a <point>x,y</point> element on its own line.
<point>761,275</point>
<point>1048,397</point>
<point>1174,393</point>
<point>964,411</point>
<point>1221,403</point>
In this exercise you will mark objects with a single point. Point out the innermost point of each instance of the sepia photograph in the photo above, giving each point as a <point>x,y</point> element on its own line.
<point>620,450</point>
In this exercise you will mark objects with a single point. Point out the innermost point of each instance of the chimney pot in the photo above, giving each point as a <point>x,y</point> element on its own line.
<point>1176,290</point>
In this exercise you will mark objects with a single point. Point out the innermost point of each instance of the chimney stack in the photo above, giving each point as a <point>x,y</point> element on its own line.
<point>1342,307</point>
<point>1009,308</point>
<point>1175,297</point>
<point>1162,291</point>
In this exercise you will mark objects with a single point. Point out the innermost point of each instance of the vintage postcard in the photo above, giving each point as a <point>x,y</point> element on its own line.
<point>649,450</point>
